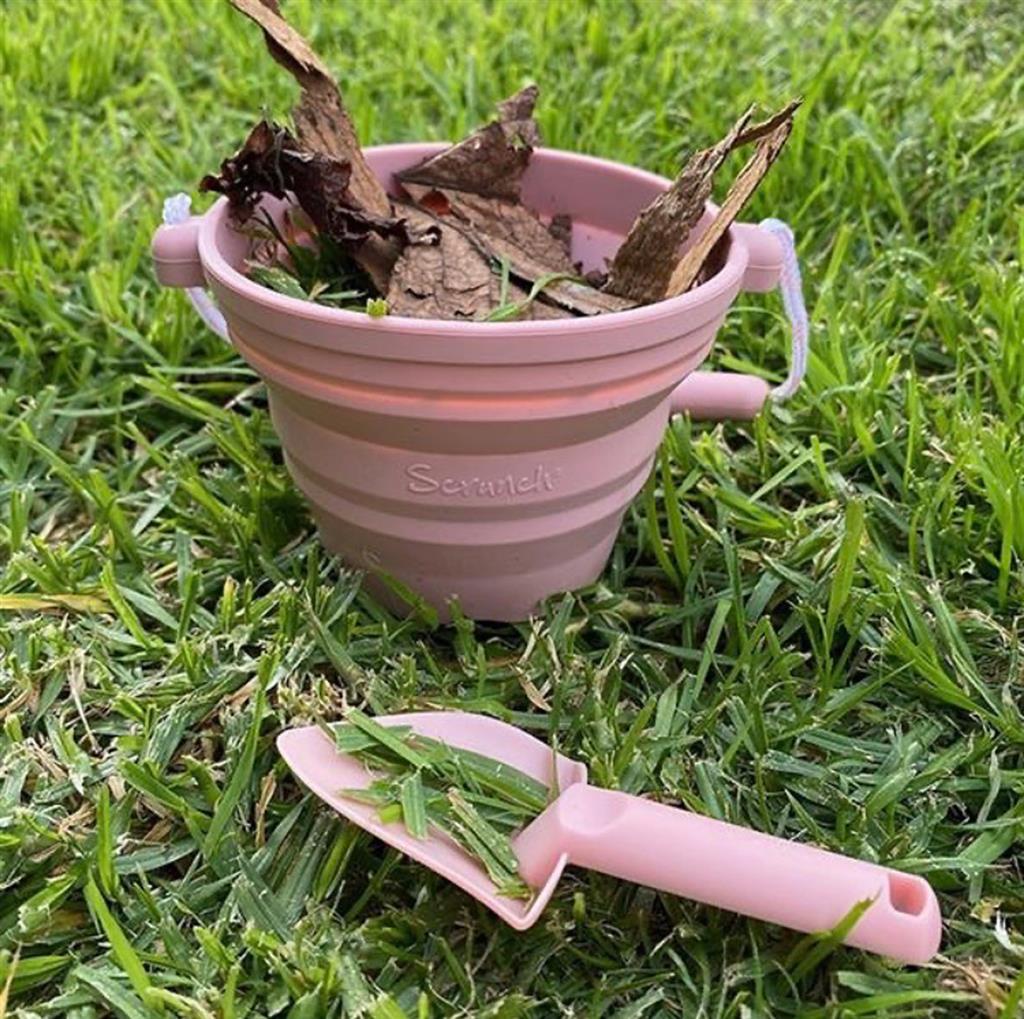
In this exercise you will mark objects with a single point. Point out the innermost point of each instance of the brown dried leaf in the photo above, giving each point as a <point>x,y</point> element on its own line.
<point>560,228</point>
<point>503,230</point>
<point>582,298</point>
<point>272,161</point>
<point>252,171</point>
<point>323,124</point>
<point>512,231</point>
<point>454,279</point>
<point>768,149</point>
<point>491,161</point>
<point>448,280</point>
<point>321,185</point>
<point>537,309</point>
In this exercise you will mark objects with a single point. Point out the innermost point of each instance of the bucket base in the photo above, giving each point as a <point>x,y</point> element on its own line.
<point>509,595</point>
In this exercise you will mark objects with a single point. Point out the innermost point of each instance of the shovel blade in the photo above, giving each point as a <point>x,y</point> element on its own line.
<point>327,773</point>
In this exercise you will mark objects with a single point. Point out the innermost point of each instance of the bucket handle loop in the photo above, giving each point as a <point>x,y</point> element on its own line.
<point>177,210</point>
<point>723,396</point>
<point>791,289</point>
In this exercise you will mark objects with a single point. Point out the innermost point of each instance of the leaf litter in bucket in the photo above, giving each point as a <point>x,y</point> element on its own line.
<point>283,260</point>
<point>478,802</point>
<point>460,243</point>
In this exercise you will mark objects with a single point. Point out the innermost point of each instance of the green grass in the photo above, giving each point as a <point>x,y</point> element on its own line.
<point>810,625</point>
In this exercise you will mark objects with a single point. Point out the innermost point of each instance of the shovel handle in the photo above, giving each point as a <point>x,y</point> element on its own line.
<point>782,882</point>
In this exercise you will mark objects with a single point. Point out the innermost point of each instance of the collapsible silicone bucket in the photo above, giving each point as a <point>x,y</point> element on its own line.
<point>488,461</point>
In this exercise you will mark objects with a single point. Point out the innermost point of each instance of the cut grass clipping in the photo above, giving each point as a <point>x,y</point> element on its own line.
<point>475,800</point>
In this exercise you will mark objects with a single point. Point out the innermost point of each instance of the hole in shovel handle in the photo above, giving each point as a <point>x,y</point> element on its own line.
<point>908,894</point>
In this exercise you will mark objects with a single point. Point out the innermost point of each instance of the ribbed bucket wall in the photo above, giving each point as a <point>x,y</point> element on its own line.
<point>488,461</point>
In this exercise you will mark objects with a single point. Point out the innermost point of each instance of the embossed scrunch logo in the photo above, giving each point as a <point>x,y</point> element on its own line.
<point>423,479</point>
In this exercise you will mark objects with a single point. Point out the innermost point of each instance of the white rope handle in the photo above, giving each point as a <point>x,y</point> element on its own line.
<point>177,209</point>
<point>791,288</point>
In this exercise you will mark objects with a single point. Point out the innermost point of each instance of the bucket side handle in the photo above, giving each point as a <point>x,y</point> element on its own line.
<point>175,251</point>
<point>720,396</point>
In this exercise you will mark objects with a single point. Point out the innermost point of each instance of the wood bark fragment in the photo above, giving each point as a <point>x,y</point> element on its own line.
<point>768,148</point>
<point>757,131</point>
<point>644,265</point>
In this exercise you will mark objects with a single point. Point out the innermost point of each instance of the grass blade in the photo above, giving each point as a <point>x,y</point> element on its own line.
<point>414,807</point>
<point>845,567</point>
<point>119,943</point>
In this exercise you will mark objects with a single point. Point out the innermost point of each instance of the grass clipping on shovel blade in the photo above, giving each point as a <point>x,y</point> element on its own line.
<point>477,801</point>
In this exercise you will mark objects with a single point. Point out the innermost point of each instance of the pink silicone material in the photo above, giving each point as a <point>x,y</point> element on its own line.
<point>787,883</point>
<point>488,461</point>
<point>764,257</point>
<point>175,253</point>
<point>719,396</point>
<point>312,758</point>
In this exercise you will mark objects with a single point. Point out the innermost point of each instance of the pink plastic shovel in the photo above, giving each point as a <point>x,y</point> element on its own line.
<point>720,864</point>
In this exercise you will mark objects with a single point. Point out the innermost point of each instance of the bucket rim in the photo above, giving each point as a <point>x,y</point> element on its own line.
<point>728,279</point>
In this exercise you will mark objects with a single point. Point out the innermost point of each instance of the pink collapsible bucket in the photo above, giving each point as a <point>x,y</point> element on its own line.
<point>492,462</point>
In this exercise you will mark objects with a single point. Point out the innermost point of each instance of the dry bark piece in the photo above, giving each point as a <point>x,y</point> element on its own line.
<point>767,151</point>
<point>507,231</point>
<point>491,161</point>
<point>758,131</point>
<point>644,265</point>
<point>322,121</point>
<point>324,125</point>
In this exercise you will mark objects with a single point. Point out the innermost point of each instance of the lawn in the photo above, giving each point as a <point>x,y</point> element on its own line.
<point>811,624</point>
